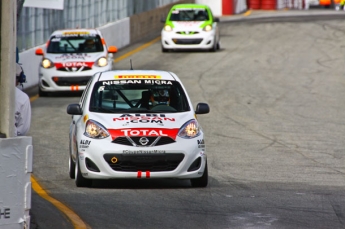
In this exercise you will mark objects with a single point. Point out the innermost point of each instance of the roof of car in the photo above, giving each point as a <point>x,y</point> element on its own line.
<point>137,74</point>
<point>75,31</point>
<point>189,6</point>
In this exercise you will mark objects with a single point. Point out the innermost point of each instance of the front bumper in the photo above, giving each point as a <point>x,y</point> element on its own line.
<point>105,160</point>
<point>202,40</point>
<point>65,80</point>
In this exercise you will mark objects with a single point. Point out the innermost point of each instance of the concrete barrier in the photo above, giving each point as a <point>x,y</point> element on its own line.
<point>15,171</point>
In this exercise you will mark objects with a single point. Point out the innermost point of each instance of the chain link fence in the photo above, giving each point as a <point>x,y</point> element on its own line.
<point>36,24</point>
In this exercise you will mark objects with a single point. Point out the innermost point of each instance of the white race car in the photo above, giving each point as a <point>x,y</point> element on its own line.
<point>70,58</point>
<point>190,26</point>
<point>136,124</point>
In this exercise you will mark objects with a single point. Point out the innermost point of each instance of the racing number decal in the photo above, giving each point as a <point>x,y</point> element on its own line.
<point>74,87</point>
<point>140,173</point>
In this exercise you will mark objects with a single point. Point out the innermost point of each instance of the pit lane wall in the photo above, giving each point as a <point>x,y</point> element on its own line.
<point>15,171</point>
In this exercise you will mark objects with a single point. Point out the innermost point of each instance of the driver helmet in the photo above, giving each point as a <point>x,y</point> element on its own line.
<point>160,97</point>
<point>89,43</point>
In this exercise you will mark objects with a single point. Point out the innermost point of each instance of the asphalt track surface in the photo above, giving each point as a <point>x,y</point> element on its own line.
<point>274,135</point>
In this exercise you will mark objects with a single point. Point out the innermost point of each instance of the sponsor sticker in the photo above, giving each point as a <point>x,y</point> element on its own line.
<point>137,77</point>
<point>143,151</point>
<point>143,132</point>
<point>136,81</point>
<point>148,118</point>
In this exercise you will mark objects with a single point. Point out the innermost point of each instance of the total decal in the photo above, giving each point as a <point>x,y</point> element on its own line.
<point>141,132</point>
<point>146,118</point>
<point>74,64</point>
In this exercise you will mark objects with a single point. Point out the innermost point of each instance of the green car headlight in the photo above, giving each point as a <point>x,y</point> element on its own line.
<point>167,28</point>
<point>207,28</point>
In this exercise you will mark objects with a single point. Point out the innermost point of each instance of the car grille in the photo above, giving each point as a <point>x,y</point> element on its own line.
<point>74,69</point>
<point>144,162</point>
<point>68,81</point>
<point>135,141</point>
<point>187,41</point>
<point>188,32</point>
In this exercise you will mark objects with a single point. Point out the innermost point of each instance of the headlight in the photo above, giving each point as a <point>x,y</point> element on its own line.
<point>94,129</point>
<point>190,129</point>
<point>101,62</point>
<point>207,28</point>
<point>167,28</point>
<point>46,63</point>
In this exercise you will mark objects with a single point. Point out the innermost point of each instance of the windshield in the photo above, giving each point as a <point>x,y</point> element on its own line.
<point>189,15</point>
<point>138,95</point>
<point>76,43</point>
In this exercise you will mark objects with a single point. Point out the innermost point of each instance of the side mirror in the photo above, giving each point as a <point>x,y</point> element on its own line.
<point>39,52</point>
<point>112,49</point>
<point>202,108</point>
<point>216,19</point>
<point>74,109</point>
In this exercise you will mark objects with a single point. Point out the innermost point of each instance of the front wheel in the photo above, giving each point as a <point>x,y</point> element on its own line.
<point>80,181</point>
<point>42,93</point>
<point>71,167</point>
<point>164,49</point>
<point>202,181</point>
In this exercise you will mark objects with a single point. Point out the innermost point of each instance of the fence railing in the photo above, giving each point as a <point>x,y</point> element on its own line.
<point>36,24</point>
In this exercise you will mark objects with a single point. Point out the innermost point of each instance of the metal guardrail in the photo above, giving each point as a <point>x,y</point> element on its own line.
<point>36,24</point>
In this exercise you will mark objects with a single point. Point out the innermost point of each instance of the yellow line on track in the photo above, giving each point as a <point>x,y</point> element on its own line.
<point>247,13</point>
<point>75,219</point>
<point>33,98</point>
<point>77,222</point>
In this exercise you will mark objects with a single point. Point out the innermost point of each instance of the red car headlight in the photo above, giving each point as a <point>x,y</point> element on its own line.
<point>190,129</point>
<point>96,130</point>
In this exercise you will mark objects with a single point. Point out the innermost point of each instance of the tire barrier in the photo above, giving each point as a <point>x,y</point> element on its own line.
<point>268,4</point>
<point>254,4</point>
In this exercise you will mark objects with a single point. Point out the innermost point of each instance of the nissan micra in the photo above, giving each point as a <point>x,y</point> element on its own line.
<point>70,58</point>
<point>136,124</point>
<point>190,26</point>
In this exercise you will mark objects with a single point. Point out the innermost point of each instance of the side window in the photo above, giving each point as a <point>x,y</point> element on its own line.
<point>83,96</point>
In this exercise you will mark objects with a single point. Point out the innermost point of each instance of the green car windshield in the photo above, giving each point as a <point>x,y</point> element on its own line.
<point>197,14</point>
<point>140,96</point>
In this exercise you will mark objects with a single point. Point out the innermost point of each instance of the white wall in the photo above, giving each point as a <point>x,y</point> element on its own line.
<point>215,5</point>
<point>15,172</point>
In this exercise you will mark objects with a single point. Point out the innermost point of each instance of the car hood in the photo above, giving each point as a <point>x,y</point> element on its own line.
<point>188,25</point>
<point>118,125</point>
<point>74,57</point>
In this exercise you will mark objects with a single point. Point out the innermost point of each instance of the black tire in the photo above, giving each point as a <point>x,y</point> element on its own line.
<point>80,181</point>
<point>202,181</point>
<point>218,45</point>
<point>71,167</point>
<point>214,48</point>
<point>42,93</point>
<point>164,50</point>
